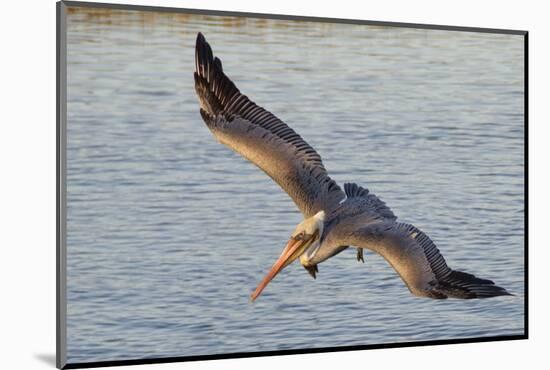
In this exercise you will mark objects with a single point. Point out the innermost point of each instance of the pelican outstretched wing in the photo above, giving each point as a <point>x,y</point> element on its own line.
<point>261,137</point>
<point>417,260</point>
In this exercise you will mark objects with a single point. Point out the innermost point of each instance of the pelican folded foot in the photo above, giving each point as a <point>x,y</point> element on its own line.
<point>360,255</point>
<point>313,270</point>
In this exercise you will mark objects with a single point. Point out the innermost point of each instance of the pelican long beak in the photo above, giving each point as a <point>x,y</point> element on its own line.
<point>293,250</point>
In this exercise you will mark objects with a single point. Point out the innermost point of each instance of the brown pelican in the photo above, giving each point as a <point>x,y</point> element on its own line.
<point>333,219</point>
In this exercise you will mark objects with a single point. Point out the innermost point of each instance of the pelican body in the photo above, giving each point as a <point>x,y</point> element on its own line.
<point>334,219</point>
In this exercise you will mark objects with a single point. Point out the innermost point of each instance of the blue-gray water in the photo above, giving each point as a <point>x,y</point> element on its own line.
<point>169,231</point>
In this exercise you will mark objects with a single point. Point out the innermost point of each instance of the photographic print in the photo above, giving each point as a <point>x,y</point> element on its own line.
<point>240,184</point>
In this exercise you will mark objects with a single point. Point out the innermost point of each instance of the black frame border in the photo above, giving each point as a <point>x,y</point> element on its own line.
<point>61,88</point>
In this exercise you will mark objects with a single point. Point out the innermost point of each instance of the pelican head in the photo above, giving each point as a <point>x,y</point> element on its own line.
<point>304,243</point>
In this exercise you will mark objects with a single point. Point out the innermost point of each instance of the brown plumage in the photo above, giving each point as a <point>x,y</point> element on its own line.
<point>334,219</point>
<point>262,138</point>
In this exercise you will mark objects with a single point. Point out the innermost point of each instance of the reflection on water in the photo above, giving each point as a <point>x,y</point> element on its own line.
<point>169,231</point>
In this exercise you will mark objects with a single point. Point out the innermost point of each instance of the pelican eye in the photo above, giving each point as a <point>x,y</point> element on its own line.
<point>303,236</point>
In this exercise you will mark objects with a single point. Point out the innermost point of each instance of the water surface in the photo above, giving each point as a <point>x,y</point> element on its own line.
<point>169,231</point>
